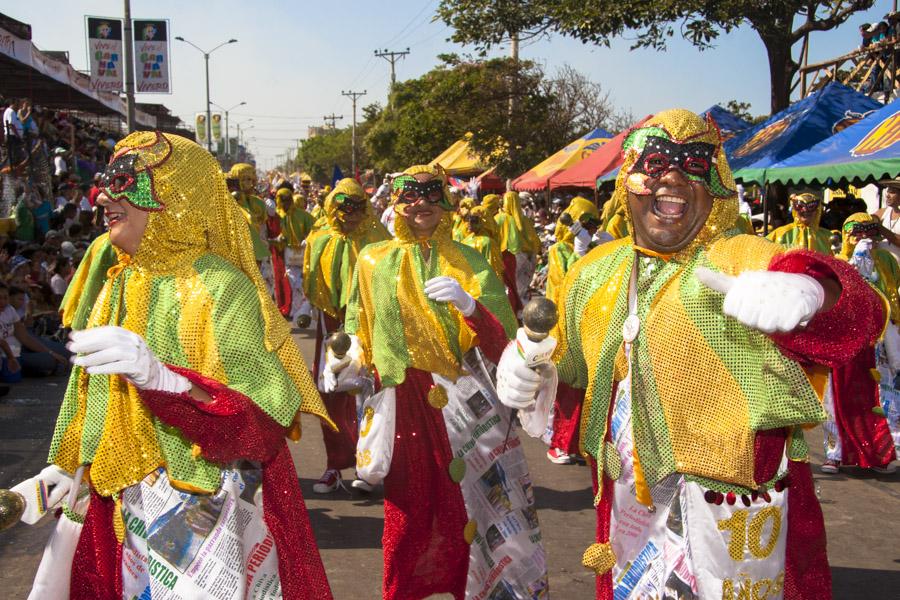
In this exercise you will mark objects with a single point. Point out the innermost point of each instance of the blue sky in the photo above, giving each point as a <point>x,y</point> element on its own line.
<point>293,59</point>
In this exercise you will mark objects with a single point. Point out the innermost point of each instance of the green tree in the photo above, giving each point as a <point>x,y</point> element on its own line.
<point>428,114</point>
<point>486,23</point>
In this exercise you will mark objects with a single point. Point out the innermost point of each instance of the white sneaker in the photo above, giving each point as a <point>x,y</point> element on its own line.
<point>830,467</point>
<point>362,485</point>
<point>328,482</point>
<point>886,470</point>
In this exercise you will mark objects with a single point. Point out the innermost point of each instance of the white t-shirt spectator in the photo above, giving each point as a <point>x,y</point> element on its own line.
<point>8,319</point>
<point>23,312</point>
<point>58,284</point>
<point>11,122</point>
<point>60,202</point>
<point>85,205</point>
<point>387,218</point>
<point>60,164</point>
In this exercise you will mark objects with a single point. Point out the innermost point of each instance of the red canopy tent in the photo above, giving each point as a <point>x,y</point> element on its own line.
<point>603,160</point>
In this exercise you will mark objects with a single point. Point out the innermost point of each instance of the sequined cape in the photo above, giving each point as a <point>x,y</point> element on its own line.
<point>331,255</point>
<point>399,327</point>
<point>742,381</point>
<point>517,234</point>
<point>193,292</point>
<point>797,235</point>
<point>254,210</point>
<point>561,255</point>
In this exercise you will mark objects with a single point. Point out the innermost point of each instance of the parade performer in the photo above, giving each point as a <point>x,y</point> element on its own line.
<point>253,207</point>
<point>854,434</point>
<point>518,237</point>
<point>805,232</point>
<point>572,242</point>
<point>459,218</point>
<point>287,230</point>
<point>480,232</point>
<point>185,386</point>
<point>328,263</point>
<point>458,500</point>
<point>689,339</point>
<point>491,204</point>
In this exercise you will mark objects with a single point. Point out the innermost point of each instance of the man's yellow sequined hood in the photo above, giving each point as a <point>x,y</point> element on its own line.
<point>681,126</point>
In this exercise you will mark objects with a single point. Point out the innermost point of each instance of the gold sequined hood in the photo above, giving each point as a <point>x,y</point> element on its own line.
<point>680,125</point>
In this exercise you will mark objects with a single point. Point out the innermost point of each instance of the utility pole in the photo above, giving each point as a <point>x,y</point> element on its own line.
<point>392,57</point>
<point>332,117</point>
<point>129,69</point>
<point>353,96</point>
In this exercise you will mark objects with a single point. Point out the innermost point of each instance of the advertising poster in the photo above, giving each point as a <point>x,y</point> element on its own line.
<point>104,43</point>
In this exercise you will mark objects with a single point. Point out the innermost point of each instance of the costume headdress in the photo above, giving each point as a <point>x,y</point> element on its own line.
<point>678,138</point>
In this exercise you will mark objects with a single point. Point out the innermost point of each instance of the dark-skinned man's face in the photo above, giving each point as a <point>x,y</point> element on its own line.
<point>672,214</point>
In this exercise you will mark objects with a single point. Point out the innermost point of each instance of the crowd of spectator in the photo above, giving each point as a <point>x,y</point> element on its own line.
<point>51,161</point>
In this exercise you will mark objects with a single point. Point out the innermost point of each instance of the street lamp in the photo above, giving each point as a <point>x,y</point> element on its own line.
<point>206,58</point>
<point>227,138</point>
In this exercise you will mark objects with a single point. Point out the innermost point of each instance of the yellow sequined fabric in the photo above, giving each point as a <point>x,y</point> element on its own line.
<point>577,208</point>
<point>684,126</point>
<point>422,334</point>
<point>194,268</point>
<point>702,384</point>
<point>600,558</point>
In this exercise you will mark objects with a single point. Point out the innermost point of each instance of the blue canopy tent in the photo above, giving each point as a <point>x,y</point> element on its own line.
<point>795,129</point>
<point>729,123</point>
<point>866,151</point>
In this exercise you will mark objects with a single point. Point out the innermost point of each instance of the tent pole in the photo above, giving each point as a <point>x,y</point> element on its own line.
<point>765,199</point>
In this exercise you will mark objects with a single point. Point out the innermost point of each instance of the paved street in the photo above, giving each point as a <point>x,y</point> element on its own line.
<point>862,512</point>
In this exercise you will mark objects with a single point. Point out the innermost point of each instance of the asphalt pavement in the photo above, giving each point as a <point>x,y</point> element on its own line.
<point>862,511</point>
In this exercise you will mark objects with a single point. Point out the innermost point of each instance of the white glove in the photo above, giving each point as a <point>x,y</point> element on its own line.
<point>769,301</point>
<point>270,207</point>
<point>53,480</point>
<point>447,289</point>
<point>863,261</point>
<point>343,374</point>
<point>517,384</point>
<point>113,350</point>
<point>582,239</point>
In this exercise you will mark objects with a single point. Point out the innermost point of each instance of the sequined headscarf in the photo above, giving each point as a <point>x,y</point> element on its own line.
<point>517,234</point>
<point>330,255</point>
<point>577,207</point>
<point>397,325</point>
<point>192,276</point>
<point>682,126</point>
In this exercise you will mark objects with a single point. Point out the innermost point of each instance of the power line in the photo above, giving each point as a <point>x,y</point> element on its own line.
<point>354,96</point>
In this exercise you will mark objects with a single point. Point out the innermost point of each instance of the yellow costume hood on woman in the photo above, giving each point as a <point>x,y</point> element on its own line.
<point>397,325</point>
<point>194,293</point>
<point>517,234</point>
<point>330,255</point>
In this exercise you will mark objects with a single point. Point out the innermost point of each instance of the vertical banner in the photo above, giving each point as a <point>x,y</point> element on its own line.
<point>151,56</point>
<point>104,43</point>
<point>201,128</point>
<point>216,128</point>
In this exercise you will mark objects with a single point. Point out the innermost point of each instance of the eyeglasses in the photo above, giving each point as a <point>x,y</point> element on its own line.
<point>862,230</point>
<point>407,190</point>
<point>349,204</point>
<point>661,156</point>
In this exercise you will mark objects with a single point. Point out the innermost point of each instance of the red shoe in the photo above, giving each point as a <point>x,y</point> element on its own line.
<point>559,457</point>
<point>329,482</point>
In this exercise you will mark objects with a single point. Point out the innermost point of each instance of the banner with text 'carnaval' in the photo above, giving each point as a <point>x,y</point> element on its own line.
<point>151,56</point>
<point>104,43</point>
